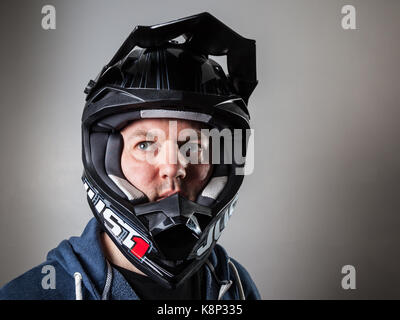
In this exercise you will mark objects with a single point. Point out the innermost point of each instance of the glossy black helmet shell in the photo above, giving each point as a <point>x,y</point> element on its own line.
<point>153,76</point>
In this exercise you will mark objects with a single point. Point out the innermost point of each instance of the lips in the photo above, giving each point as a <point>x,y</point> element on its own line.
<point>167,194</point>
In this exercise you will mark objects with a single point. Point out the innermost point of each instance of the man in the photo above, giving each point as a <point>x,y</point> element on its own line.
<point>159,203</point>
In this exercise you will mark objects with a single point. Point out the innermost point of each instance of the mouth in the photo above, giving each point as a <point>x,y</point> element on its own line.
<point>167,194</point>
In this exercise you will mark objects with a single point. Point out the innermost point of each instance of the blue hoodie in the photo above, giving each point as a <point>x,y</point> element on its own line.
<point>81,271</point>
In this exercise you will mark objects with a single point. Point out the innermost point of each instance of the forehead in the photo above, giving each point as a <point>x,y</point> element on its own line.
<point>144,125</point>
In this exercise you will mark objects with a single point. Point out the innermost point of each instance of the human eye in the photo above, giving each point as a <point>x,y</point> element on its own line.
<point>145,145</point>
<point>193,145</point>
<point>192,148</point>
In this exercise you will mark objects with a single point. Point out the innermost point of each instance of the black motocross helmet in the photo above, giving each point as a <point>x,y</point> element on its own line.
<point>153,75</point>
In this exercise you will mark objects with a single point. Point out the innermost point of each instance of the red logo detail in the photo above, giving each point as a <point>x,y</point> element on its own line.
<point>140,247</point>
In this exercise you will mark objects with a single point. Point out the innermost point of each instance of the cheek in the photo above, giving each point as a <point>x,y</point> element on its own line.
<point>200,174</point>
<point>139,173</point>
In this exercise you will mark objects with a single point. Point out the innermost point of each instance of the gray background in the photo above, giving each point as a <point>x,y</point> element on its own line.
<point>325,190</point>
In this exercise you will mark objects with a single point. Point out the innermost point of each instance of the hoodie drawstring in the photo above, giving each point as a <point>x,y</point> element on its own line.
<point>237,278</point>
<point>78,286</point>
<point>225,284</point>
<point>107,286</point>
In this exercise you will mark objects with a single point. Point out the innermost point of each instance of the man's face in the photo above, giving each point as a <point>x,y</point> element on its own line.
<point>153,159</point>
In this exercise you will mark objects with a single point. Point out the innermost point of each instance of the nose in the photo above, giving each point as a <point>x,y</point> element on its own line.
<point>172,171</point>
<point>172,164</point>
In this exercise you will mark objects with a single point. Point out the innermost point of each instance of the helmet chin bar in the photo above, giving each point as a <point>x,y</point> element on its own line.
<point>144,251</point>
<point>175,223</point>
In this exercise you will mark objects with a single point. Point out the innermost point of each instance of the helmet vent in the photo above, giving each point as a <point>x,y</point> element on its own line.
<point>179,40</point>
<point>221,63</point>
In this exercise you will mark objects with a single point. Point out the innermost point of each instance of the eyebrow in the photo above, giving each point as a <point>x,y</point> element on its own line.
<point>140,133</point>
<point>147,133</point>
<point>188,137</point>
